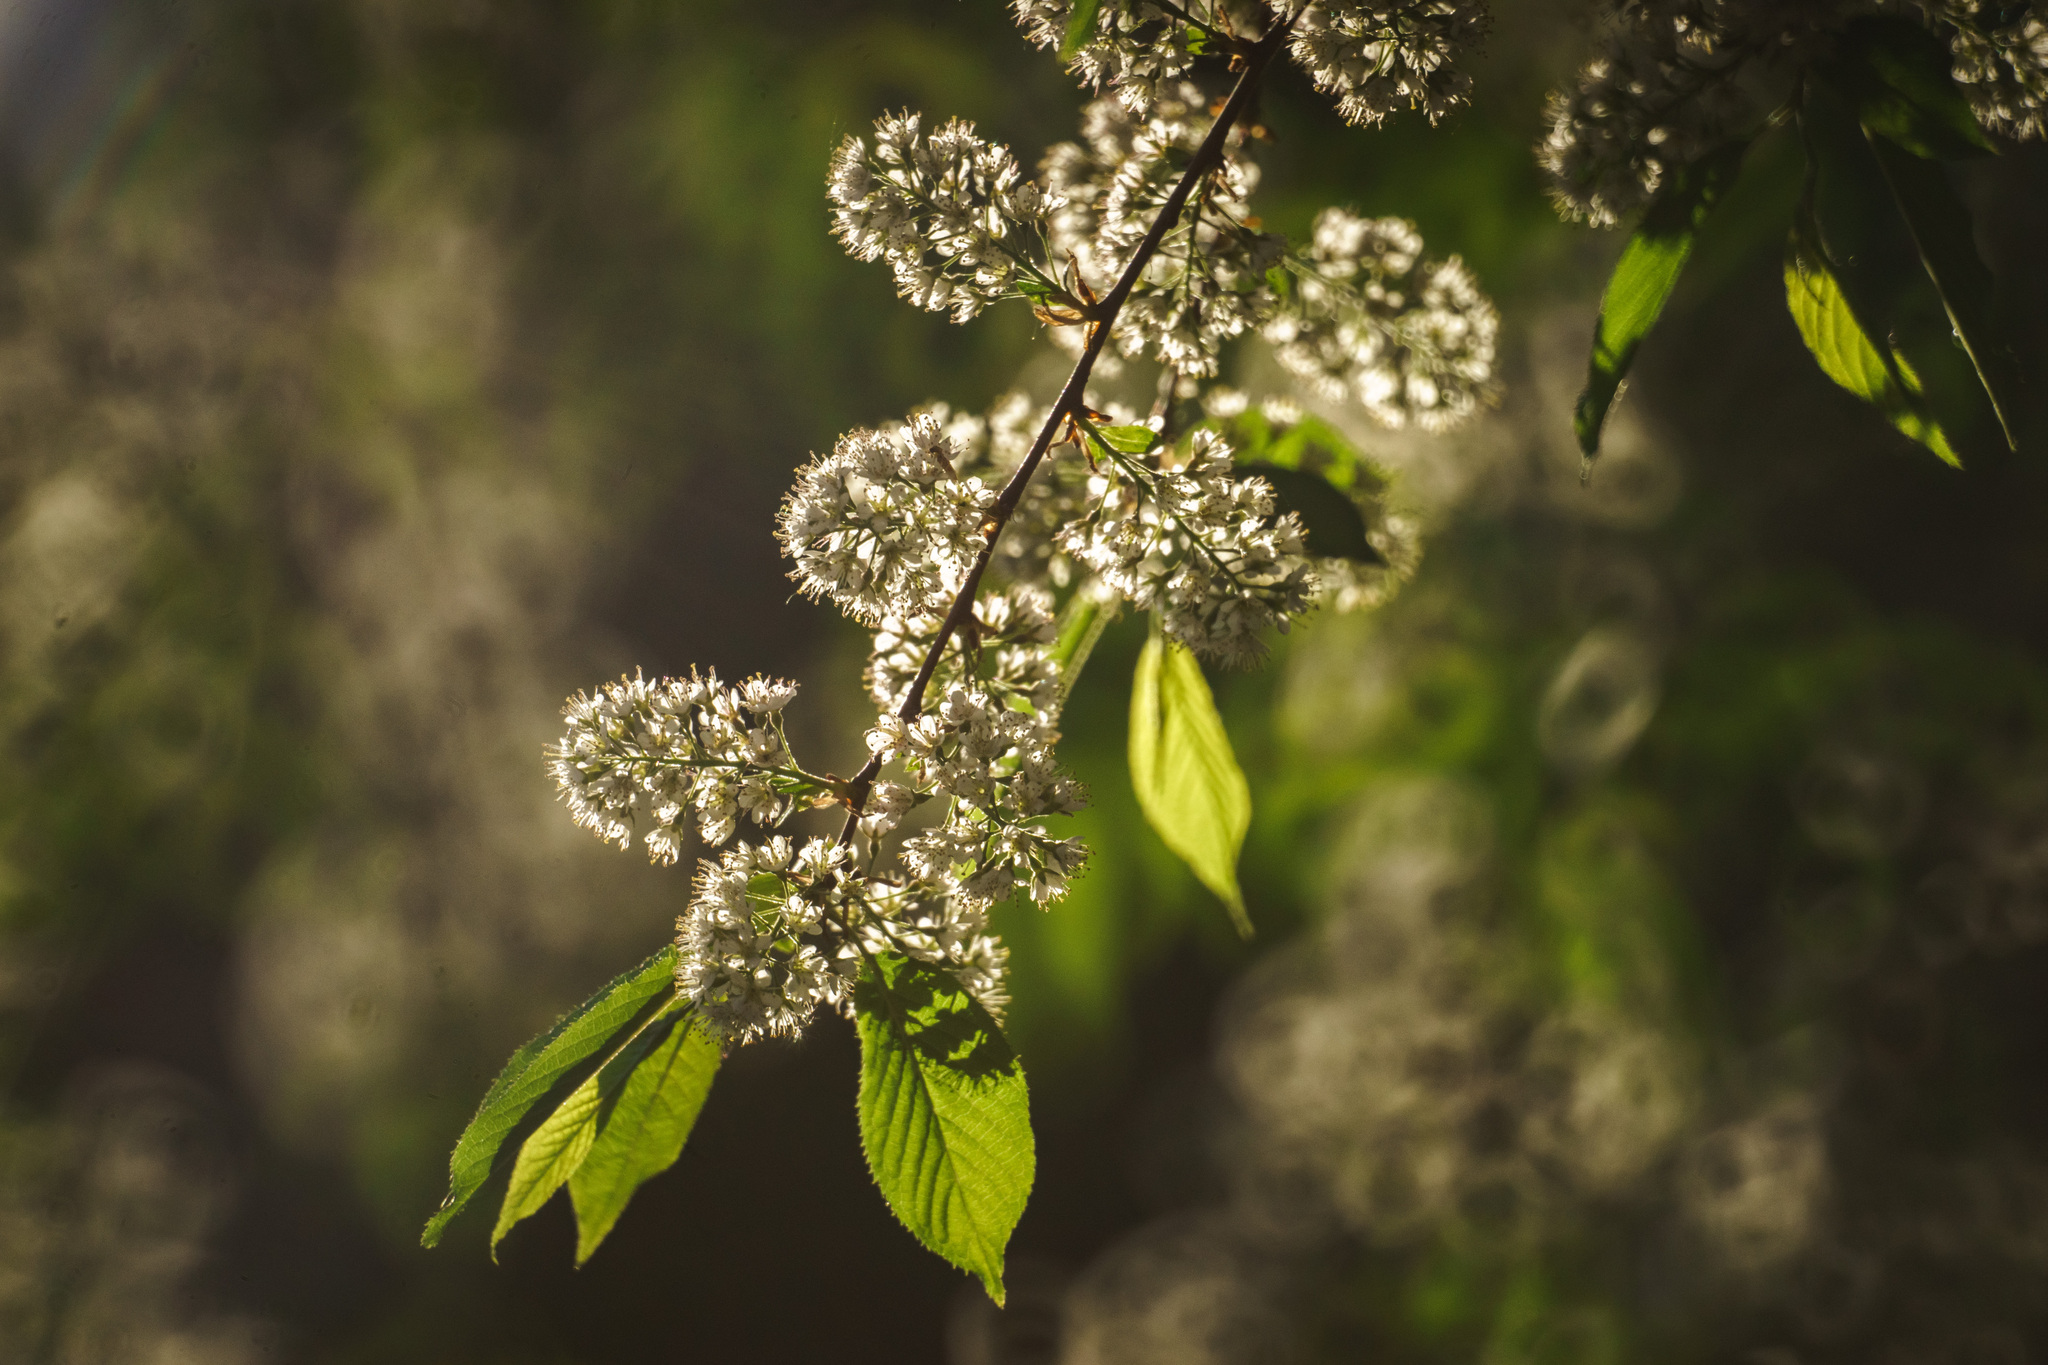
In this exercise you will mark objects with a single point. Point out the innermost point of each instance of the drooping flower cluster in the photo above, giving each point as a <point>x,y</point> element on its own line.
<point>1198,546</point>
<point>1135,49</point>
<point>995,764</point>
<point>1009,634</point>
<point>885,524</point>
<point>660,751</point>
<point>1372,321</point>
<point>1661,93</point>
<point>1379,57</point>
<point>1673,79</point>
<point>2001,61</point>
<point>951,213</point>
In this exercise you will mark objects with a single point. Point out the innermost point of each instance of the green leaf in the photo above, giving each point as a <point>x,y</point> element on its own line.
<point>1125,440</point>
<point>555,1151</point>
<point>1187,779</point>
<point>945,1119</point>
<point>1898,77</point>
<point>1643,280</point>
<point>1330,520</point>
<point>1940,225</point>
<point>648,1120</point>
<point>1850,219</point>
<point>1849,356</point>
<point>534,1071</point>
<point>1080,28</point>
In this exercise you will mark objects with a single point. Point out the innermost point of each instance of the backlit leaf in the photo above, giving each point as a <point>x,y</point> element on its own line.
<point>1643,280</point>
<point>1080,28</point>
<point>1131,440</point>
<point>1849,356</point>
<point>535,1070</point>
<point>555,1151</point>
<point>1185,774</point>
<point>1850,220</point>
<point>642,1128</point>
<point>945,1118</point>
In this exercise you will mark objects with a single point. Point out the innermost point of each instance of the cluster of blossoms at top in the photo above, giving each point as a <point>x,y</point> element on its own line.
<point>1674,79</point>
<point>1377,57</point>
<point>966,588</point>
<point>951,213</point>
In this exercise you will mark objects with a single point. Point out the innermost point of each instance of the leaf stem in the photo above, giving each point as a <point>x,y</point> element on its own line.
<point>1071,400</point>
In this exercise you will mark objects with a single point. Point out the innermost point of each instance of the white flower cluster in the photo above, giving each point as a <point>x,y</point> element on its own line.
<point>1005,651</point>
<point>773,932</point>
<point>1137,47</point>
<point>1676,78</point>
<point>662,750</point>
<point>2001,61</point>
<point>1207,282</point>
<point>894,525</point>
<point>951,213</point>
<point>1372,321</point>
<point>996,764</point>
<point>1376,57</point>
<point>885,525</point>
<point>1648,104</point>
<point>1379,57</point>
<point>1199,547</point>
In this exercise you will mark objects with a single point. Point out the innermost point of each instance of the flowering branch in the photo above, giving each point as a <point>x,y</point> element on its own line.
<point>1071,400</point>
<point>902,527</point>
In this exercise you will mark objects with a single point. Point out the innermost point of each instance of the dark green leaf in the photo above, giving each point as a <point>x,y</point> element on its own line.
<point>1330,520</point>
<point>642,1130</point>
<point>945,1118</point>
<point>1643,280</point>
<point>534,1071</point>
<point>1897,77</point>
<point>1847,353</point>
<point>1080,28</point>
<point>1850,219</point>
<point>1940,225</point>
<point>1186,776</point>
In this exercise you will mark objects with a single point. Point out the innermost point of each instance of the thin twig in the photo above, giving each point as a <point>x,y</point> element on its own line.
<point>1206,158</point>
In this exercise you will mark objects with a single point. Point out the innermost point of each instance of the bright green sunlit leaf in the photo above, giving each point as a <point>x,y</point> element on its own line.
<point>1643,280</point>
<point>535,1070</point>
<point>649,1119</point>
<point>945,1119</point>
<point>1848,355</point>
<point>1186,776</point>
